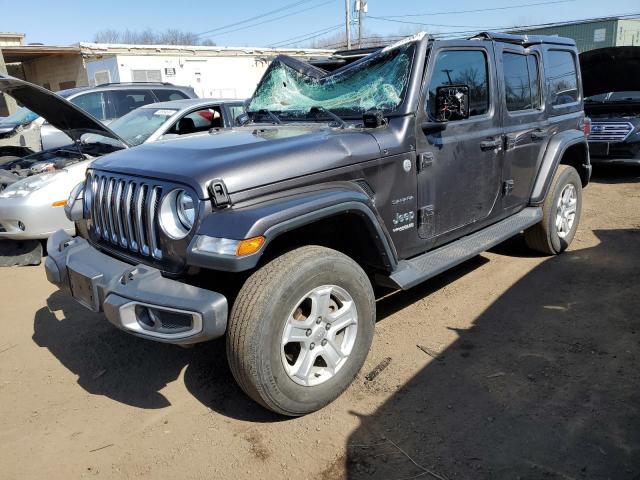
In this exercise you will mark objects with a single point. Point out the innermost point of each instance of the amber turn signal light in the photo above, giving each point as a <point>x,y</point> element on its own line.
<point>249,246</point>
<point>59,203</point>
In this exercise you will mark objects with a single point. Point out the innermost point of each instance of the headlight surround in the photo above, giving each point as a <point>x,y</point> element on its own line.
<point>177,214</point>
<point>186,209</point>
<point>28,185</point>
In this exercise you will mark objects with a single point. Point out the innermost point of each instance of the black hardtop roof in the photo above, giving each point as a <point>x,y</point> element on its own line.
<point>524,40</point>
<point>516,39</point>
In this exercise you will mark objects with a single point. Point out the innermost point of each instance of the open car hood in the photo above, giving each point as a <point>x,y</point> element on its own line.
<point>613,69</point>
<point>59,112</point>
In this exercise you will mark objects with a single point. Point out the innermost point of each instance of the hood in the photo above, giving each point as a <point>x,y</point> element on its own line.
<point>245,157</point>
<point>59,112</point>
<point>613,69</point>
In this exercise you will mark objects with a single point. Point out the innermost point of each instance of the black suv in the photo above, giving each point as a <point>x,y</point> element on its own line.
<point>612,101</point>
<point>384,169</point>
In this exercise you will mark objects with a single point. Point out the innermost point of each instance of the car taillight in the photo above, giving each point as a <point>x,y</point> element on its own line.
<point>586,126</point>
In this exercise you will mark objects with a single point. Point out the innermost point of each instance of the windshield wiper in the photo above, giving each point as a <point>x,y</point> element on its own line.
<point>271,115</point>
<point>317,110</point>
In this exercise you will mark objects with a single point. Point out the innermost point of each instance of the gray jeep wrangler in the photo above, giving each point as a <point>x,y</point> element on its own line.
<point>382,169</point>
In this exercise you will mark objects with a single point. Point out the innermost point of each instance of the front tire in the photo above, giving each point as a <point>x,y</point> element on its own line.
<point>560,214</point>
<point>300,330</point>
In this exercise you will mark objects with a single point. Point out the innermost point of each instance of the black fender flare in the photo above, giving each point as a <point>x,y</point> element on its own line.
<point>275,215</point>
<point>553,154</point>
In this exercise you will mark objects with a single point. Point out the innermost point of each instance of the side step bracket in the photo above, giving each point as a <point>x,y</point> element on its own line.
<point>423,267</point>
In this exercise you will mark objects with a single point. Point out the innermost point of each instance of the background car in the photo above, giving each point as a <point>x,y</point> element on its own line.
<point>26,132</point>
<point>31,208</point>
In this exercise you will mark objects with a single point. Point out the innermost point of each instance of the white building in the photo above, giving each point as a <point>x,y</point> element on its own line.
<point>211,71</point>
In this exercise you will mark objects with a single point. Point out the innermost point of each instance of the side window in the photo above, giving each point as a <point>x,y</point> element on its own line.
<point>235,110</point>
<point>562,77</point>
<point>198,121</point>
<point>462,67</point>
<point>521,81</point>
<point>93,103</point>
<point>125,101</point>
<point>167,95</point>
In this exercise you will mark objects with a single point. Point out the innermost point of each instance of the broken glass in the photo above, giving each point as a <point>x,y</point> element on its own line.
<point>378,81</point>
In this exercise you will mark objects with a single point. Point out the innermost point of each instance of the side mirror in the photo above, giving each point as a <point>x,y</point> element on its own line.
<point>452,103</point>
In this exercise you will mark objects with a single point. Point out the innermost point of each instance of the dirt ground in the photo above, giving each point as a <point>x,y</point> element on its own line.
<point>527,367</point>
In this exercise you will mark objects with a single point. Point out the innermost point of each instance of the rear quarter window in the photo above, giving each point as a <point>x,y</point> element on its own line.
<point>167,95</point>
<point>562,77</point>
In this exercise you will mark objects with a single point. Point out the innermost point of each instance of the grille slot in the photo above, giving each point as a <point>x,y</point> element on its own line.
<point>610,131</point>
<point>124,213</point>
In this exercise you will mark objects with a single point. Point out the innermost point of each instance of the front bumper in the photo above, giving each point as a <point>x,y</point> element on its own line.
<point>615,153</point>
<point>137,299</point>
<point>20,219</point>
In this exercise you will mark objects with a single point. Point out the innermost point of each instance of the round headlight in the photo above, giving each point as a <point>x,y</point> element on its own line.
<point>177,214</point>
<point>186,209</point>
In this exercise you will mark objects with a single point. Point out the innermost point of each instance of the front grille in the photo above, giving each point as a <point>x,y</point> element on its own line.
<point>124,212</point>
<point>610,131</point>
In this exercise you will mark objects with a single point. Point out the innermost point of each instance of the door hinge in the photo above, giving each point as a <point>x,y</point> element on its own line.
<point>507,187</point>
<point>426,223</point>
<point>425,160</point>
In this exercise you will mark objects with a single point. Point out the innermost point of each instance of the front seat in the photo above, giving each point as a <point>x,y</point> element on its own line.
<point>186,125</point>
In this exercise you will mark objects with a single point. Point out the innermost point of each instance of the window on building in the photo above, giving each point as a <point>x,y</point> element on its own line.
<point>93,103</point>
<point>67,85</point>
<point>462,67</point>
<point>165,95</point>
<point>521,81</point>
<point>599,35</point>
<point>146,75</point>
<point>101,77</point>
<point>562,77</point>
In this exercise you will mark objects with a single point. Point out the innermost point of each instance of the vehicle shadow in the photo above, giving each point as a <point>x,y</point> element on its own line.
<point>132,370</point>
<point>543,385</point>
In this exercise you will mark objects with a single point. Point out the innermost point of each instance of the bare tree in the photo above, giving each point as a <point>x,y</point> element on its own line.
<point>148,36</point>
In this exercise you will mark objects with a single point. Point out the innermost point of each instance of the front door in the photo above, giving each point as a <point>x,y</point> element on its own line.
<point>523,121</point>
<point>459,177</point>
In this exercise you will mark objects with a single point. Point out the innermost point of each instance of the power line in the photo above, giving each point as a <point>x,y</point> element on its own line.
<point>306,36</point>
<point>478,10</point>
<point>270,20</point>
<point>265,14</point>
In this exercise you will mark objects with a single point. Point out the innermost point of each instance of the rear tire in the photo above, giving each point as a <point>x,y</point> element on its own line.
<point>560,214</point>
<point>300,330</point>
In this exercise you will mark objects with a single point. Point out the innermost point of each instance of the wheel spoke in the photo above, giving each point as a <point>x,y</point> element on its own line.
<point>294,333</point>
<point>304,364</point>
<point>345,320</point>
<point>320,302</point>
<point>332,355</point>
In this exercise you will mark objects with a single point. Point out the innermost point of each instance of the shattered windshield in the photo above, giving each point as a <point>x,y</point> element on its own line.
<point>378,81</point>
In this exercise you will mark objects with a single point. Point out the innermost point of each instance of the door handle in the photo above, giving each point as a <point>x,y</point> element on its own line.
<point>538,135</point>
<point>491,144</point>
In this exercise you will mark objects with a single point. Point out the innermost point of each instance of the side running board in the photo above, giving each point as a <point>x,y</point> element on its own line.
<point>418,269</point>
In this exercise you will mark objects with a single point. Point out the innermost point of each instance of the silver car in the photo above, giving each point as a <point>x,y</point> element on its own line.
<point>32,207</point>
<point>26,132</point>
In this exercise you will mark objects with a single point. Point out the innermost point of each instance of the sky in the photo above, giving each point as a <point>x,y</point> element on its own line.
<point>65,22</point>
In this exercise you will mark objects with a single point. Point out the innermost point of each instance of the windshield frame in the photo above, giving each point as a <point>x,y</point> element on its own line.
<point>409,98</point>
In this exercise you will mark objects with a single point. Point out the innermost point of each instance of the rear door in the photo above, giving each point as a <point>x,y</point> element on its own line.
<point>523,120</point>
<point>459,168</point>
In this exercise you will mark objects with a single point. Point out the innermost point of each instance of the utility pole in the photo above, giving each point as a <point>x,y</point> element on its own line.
<point>347,20</point>
<point>361,8</point>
